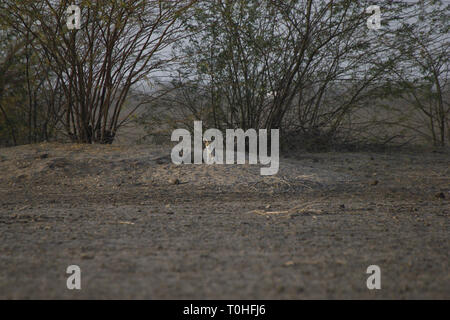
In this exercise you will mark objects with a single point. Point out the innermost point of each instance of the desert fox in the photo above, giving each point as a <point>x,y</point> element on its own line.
<point>209,152</point>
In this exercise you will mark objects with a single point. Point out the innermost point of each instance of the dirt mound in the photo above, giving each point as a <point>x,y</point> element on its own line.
<point>84,164</point>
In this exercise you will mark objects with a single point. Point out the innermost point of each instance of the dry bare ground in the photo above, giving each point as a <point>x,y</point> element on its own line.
<point>141,227</point>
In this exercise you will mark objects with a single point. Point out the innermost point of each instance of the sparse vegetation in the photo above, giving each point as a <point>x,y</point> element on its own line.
<point>309,68</point>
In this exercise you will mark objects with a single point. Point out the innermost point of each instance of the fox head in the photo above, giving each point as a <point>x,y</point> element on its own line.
<point>206,142</point>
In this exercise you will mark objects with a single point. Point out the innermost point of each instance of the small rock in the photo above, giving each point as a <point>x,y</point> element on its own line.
<point>268,206</point>
<point>440,195</point>
<point>374,183</point>
<point>86,256</point>
<point>342,206</point>
<point>174,181</point>
<point>289,263</point>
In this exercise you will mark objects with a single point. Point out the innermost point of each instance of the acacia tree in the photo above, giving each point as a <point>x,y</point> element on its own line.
<point>118,45</point>
<point>27,109</point>
<point>328,64</point>
<point>279,64</point>
<point>9,50</point>
<point>422,79</point>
